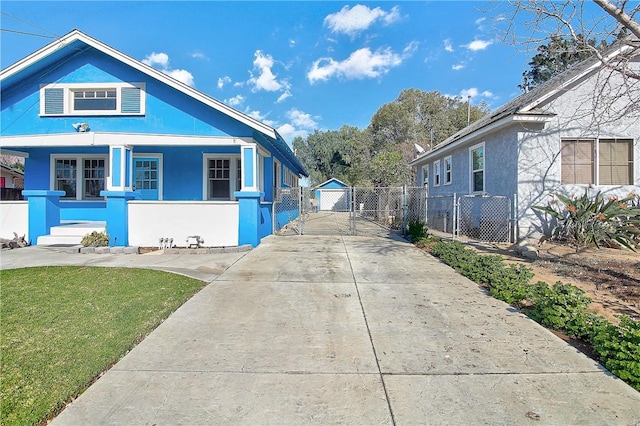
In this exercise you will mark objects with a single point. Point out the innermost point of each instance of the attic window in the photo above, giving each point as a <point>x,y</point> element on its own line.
<point>95,100</point>
<point>83,99</point>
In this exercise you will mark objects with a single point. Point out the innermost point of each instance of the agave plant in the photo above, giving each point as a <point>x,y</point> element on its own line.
<point>586,221</point>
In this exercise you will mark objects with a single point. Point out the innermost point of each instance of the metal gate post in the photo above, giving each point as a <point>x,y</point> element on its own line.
<point>300,210</point>
<point>405,210</point>
<point>274,210</point>
<point>455,230</point>
<point>352,209</point>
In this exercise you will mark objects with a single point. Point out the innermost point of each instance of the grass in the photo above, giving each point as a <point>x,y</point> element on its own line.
<point>62,326</point>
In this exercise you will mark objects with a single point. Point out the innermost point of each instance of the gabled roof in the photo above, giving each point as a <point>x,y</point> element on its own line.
<point>76,40</point>
<point>526,107</point>
<point>326,182</point>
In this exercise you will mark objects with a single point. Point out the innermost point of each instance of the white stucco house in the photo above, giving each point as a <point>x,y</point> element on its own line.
<point>578,131</point>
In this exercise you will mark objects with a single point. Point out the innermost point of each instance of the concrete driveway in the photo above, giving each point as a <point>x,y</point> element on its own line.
<point>347,330</point>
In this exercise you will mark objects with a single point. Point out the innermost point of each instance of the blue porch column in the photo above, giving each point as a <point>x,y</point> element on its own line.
<point>44,212</point>
<point>249,217</point>
<point>118,216</point>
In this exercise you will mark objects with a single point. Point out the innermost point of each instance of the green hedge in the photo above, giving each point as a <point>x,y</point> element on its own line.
<point>560,307</point>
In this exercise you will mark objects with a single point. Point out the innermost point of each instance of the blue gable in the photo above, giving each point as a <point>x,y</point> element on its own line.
<point>168,111</point>
<point>332,183</point>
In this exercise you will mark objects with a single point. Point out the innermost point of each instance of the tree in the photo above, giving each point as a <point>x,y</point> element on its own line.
<point>556,56</point>
<point>380,154</point>
<point>425,118</point>
<point>570,27</point>
<point>334,153</point>
<point>418,117</point>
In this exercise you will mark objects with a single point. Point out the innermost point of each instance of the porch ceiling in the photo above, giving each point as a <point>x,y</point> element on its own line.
<point>119,139</point>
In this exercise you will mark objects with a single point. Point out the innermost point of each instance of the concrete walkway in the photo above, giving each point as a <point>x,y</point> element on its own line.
<point>345,330</point>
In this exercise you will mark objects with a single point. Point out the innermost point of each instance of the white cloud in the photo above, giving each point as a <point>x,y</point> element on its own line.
<point>363,63</point>
<point>352,21</point>
<point>223,80</point>
<point>235,101</point>
<point>199,55</point>
<point>260,117</point>
<point>478,45</point>
<point>266,79</point>
<point>301,119</point>
<point>457,67</point>
<point>286,94</point>
<point>157,59</point>
<point>161,61</point>
<point>292,43</point>
<point>480,20</point>
<point>447,45</point>
<point>475,93</point>
<point>181,75</point>
<point>289,132</point>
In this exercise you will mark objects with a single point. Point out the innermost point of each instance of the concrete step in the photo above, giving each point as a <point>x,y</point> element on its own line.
<point>80,228</point>
<point>70,233</point>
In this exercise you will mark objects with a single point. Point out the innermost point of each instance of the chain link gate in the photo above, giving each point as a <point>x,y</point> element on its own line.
<point>288,211</point>
<point>347,211</point>
<point>484,218</point>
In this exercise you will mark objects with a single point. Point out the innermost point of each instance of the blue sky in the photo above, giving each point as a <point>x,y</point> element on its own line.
<point>297,66</point>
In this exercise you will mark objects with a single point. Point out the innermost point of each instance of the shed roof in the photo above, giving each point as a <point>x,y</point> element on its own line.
<point>332,180</point>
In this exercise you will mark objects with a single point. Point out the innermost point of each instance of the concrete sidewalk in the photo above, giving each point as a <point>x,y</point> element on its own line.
<point>348,330</point>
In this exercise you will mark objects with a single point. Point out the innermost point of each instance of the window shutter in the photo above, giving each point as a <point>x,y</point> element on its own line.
<point>130,100</point>
<point>54,101</point>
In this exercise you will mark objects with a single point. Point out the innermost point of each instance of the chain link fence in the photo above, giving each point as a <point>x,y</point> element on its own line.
<point>288,211</point>
<point>441,213</point>
<point>485,218</point>
<point>377,211</point>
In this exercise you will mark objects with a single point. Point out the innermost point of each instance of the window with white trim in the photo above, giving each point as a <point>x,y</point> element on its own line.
<point>447,170</point>
<point>289,178</point>
<point>77,99</point>
<point>80,177</point>
<point>223,176</point>
<point>612,158</point>
<point>476,165</point>
<point>425,175</point>
<point>436,173</point>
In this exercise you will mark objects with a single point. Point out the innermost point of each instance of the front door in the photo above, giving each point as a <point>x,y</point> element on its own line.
<point>147,177</point>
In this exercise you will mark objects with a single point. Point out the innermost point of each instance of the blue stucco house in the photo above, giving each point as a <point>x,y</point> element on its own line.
<point>110,142</point>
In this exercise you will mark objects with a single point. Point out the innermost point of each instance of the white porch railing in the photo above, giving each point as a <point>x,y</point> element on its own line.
<point>215,221</point>
<point>14,217</point>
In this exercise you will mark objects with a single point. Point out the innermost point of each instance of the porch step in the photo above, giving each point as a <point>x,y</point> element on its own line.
<point>70,233</point>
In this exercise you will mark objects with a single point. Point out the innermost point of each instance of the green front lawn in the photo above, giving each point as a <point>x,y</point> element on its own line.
<point>61,326</point>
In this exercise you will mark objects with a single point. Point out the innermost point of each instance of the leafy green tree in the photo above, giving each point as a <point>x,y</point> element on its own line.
<point>556,56</point>
<point>379,155</point>
<point>342,154</point>
<point>418,117</point>
<point>388,168</point>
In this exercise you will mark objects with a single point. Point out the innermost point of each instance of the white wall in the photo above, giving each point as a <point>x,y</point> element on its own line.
<point>215,221</point>
<point>576,116</point>
<point>14,217</point>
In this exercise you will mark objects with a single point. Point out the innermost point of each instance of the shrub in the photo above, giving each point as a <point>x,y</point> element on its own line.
<point>95,239</point>
<point>507,283</point>
<point>417,230</point>
<point>511,284</point>
<point>560,307</point>
<point>619,349</point>
<point>584,221</point>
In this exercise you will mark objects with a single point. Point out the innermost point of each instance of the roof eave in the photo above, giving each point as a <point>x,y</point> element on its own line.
<point>481,132</point>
